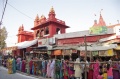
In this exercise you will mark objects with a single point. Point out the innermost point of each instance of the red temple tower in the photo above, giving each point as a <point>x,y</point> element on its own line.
<point>48,27</point>
<point>24,35</point>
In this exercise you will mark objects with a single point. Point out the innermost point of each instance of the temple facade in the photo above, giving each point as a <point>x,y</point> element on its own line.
<point>50,33</point>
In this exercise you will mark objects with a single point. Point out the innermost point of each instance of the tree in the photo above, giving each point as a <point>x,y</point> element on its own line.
<point>3,37</point>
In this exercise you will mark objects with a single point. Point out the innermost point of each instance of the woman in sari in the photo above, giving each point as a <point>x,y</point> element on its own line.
<point>104,71</point>
<point>71,71</point>
<point>96,69</point>
<point>90,72</point>
<point>48,69</point>
<point>10,66</point>
<point>43,68</point>
<point>52,67</point>
<point>23,65</point>
<point>13,65</point>
<point>61,69</point>
<point>30,65</point>
<point>65,71</point>
<point>116,74</point>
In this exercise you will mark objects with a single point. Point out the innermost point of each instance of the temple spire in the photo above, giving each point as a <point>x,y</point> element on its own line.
<point>52,14</point>
<point>52,10</point>
<point>101,21</point>
<point>37,18</point>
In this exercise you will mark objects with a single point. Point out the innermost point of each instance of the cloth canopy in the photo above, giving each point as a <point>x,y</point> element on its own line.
<point>26,44</point>
<point>57,52</point>
<point>97,48</point>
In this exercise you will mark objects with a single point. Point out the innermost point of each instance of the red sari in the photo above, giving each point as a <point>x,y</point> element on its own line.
<point>23,65</point>
<point>90,72</point>
<point>65,73</point>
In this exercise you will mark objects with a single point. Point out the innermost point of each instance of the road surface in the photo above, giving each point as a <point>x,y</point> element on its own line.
<point>5,75</point>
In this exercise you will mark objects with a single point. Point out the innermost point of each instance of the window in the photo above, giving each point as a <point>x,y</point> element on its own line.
<point>58,31</point>
<point>46,30</point>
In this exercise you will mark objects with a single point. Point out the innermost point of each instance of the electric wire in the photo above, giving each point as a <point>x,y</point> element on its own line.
<point>20,11</point>
<point>3,13</point>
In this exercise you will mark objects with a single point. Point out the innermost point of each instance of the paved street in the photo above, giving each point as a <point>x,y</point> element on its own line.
<point>5,75</point>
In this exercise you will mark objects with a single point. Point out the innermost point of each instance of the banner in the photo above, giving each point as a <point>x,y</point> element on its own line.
<point>66,52</point>
<point>94,53</point>
<point>103,53</point>
<point>110,52</point>
<point>98,30</point>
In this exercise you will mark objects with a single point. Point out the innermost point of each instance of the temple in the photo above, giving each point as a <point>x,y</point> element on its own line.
<point>49,34</point>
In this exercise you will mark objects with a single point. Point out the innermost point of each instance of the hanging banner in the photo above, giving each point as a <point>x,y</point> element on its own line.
<point>66,52</point>
<point>82,53</point>
<point>57,52</point>
<point>110,52</point>
<point>94,53</point>
<point>98,30</point>
<point>103,53</point>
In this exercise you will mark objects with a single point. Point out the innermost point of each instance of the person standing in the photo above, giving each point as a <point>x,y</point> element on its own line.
<point>30,65</point>
<point>65,71</point>
<point>52,67</point>
<point>13,65</point>
<point>23,65</point>
<point>96,69</point>
<point>61,69</point>
<point>109,72</point>
<point>77,68</point>
<point>9,65</point>
<point>48,69</point>
<point>90,72</point>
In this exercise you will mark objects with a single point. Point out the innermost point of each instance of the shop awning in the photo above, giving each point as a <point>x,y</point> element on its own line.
<point>42,48</point>
<point>26,44</point>
<point>117,48</point>
<point>98,48</point>
<point>65,47</point>
<point>57,52</point>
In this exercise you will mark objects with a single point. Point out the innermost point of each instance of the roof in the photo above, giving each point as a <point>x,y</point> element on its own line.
<point>26,44</point>
<point>108,38</point>
<point>98,47</point>
<point>80,34</point>
<point>47,23</point>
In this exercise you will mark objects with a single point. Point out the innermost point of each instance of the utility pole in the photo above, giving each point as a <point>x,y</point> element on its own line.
<point>85,56</point>
<point>1,24</point>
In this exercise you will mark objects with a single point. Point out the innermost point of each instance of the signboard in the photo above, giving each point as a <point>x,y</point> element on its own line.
<point>103,53</point>
<point>94,53</point>
<point>83,53</point>
<point>110,52</point>
<point>46,41</point>
<point>98,30</point>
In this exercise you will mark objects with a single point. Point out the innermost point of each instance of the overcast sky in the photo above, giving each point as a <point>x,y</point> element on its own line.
<point>78,14</point>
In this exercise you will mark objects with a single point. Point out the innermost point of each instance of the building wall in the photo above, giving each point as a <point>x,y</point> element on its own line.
<point>80,40</point>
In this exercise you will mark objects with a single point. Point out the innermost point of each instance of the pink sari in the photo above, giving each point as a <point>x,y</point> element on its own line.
<point>48,69</point>
<point>96,70</point>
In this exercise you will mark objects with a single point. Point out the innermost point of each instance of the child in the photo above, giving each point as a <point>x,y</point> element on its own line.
<point>100,76</point>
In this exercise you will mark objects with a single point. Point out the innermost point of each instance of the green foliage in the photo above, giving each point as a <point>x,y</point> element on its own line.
<point>3,37</point>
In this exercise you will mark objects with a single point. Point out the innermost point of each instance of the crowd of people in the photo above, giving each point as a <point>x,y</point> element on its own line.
<point>64,68</point>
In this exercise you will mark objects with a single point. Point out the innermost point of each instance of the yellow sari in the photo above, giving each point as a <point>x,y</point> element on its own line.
<point>9,66</point>
<point>104,73</point>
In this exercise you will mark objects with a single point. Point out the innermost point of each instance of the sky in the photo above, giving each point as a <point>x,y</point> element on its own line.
<point>78,14</point>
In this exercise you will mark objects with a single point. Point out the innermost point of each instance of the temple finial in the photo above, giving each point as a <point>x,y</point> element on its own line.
<point>37,17</point>
<point>52,10</point>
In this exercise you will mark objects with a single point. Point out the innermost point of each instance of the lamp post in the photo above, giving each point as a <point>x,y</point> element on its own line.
<point>85,56</point>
